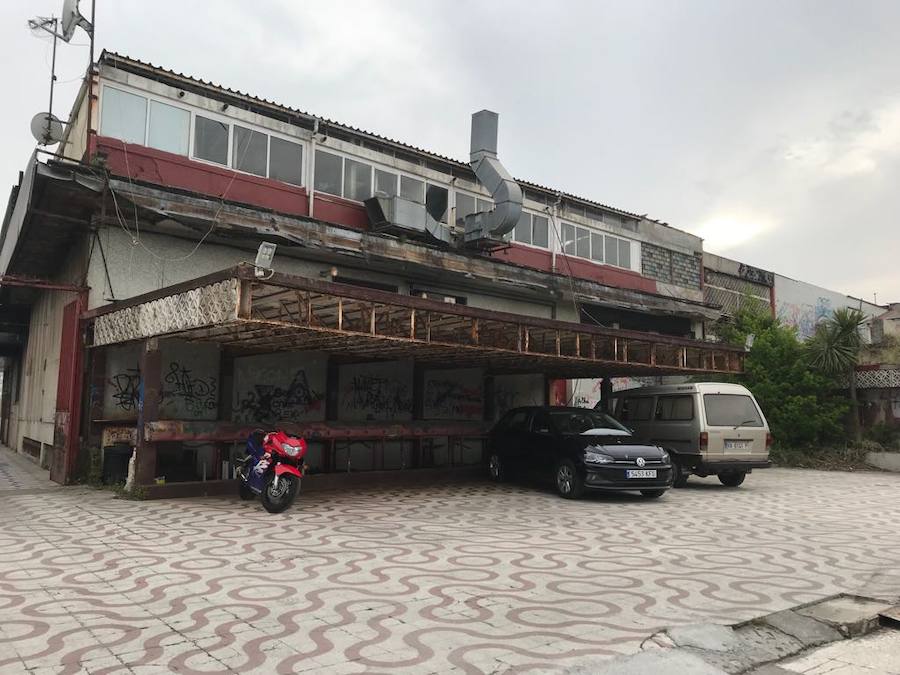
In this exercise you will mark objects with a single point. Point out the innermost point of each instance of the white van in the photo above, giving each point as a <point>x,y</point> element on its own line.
<point>708,428</point>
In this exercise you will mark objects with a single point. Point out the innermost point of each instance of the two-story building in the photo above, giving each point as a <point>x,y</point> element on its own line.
<point>390,330</point>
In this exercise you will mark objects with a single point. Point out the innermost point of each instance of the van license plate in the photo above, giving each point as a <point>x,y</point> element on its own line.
<point>737,445</point>
<point>640,473</point>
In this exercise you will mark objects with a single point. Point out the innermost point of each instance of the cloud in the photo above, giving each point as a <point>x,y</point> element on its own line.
<point>726,232</point>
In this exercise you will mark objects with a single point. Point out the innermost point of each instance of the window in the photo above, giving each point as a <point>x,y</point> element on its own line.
<point>385,182</point>
<point>124,116</point>
<point>532,229</point>
<point>568,235</point>
<point>357,180</point>
<point>465,205</point>
<point>170,128</point>
<point>582,242</point>
<point>675,408</point>
<point>211,140</point>
<point>624,253</point>
<point>436,201</point>
<point>517,421</point>
<point>285,161</point>
<point>731,410</point>
<point>596,247</point>
<point>637,408</point>
<point>329,171</point>
<point>250,151</point>
<point>412,189</point>
<point>612,251</point>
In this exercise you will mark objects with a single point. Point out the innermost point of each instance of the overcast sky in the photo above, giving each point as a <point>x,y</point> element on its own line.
<point>771,129</point>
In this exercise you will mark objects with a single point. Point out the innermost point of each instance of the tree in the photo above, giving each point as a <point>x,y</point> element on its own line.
<point>800,403</point>
<point>834,350</point>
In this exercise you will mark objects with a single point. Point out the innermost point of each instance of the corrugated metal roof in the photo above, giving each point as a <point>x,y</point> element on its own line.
<point>118,60</point>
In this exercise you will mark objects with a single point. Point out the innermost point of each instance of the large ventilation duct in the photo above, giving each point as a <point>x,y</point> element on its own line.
<point>404,217</point>
<point>506,193</point>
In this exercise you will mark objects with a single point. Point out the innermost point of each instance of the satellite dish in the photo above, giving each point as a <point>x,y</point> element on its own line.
<point>46,129</point>
<point>71,19</point>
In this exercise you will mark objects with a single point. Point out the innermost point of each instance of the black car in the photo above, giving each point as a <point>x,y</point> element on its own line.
<point>579,449</point>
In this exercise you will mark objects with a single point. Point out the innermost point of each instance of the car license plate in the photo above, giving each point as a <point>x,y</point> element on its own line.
<point>640,473</point>
<point>737,445</point>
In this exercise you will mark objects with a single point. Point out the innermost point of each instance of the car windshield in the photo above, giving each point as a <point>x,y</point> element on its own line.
<point>585,421</point>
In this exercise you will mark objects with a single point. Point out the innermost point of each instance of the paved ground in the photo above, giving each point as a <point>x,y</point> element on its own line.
<point>470,579</point>
<point>875,654</point>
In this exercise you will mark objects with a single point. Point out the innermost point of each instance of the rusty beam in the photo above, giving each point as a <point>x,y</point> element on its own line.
<point>42,284</point>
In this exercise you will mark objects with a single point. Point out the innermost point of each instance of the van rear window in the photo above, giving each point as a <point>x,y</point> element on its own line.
<point>731,410</point>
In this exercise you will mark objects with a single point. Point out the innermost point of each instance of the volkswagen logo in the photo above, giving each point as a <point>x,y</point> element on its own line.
<point>640,461</point>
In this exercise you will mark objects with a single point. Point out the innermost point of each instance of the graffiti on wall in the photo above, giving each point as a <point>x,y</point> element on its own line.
<point>511,391</point>
<point>183,390</point>
<point>453,394</point>
<point>272,403</point>
<point>270,388</point>
<point>124,389</point>
<point>376,391</point>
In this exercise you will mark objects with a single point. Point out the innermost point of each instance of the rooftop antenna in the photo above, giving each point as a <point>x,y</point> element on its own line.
<point>45,127</point>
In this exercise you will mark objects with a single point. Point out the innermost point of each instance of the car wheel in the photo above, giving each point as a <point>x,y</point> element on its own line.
<point>732,478</point>
<point>495,468</point>
<point>568,483</point>
<point>653,494</point>
<point>679,475</point>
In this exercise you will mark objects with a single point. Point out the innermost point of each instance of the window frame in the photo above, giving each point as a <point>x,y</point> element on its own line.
<point>229,120</point>
<point>662,397</point>
<point>531,216</point>
<point>592,234</point>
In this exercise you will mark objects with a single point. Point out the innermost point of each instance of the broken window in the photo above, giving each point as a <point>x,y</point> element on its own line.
<point>329,172</point>
<point>250,152</point>
<point>211,140</point>
<point>123,116</point>
<point>285,161</point>
<point>436,200</point>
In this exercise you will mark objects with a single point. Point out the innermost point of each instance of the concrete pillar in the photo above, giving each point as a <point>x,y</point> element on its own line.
<point>148,410</point>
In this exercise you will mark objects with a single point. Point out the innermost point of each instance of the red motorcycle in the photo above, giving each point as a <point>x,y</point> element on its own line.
<point>272,469</point>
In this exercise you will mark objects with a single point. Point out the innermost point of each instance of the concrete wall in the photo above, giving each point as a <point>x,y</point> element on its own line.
<point>270,388</point>
<point>804,305</point>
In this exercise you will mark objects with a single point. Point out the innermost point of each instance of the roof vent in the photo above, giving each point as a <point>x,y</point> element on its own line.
<point>489,226</point>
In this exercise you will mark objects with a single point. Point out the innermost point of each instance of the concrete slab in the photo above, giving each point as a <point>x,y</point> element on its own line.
<point>806,629</point>
<point>648,663</point>
<point>887,461</point>
<point>707,636</point>
<point>850,615</point>
<point>874,654</point>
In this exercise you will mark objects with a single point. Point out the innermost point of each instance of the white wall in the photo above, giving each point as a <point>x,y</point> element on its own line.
<point>803,305</point>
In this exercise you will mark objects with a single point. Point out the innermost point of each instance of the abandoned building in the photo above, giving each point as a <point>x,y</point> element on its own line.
<point>412,298</point>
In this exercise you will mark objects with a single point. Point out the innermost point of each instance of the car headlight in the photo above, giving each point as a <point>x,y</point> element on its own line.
<point>291,450</point>
<point>593,457</point>
<point>665,459</point>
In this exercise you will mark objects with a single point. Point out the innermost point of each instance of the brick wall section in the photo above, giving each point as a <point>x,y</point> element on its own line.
<point>671,267</point>
<point>686,269</point>
<point>656,263</point>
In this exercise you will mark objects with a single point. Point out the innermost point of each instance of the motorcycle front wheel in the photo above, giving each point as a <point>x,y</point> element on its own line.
<point>277,499</point>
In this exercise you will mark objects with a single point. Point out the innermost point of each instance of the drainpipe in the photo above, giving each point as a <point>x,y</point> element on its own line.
<point>311,172</point>
<point>553,212</point>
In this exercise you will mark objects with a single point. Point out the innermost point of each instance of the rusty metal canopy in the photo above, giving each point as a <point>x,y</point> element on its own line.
<point>291,313</point>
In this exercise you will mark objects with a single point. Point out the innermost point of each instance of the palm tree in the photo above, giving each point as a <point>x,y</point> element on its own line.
<point>834,350</point>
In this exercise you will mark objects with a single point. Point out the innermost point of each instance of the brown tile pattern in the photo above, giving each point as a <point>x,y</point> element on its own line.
<point>468,579</point>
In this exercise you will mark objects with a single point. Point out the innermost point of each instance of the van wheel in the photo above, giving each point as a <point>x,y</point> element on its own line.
<point>679,475</point>
<point>732,478</point>
<point>568,483</point>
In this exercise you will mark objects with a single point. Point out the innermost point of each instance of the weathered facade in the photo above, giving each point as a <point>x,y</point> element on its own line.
<point>389,350</point>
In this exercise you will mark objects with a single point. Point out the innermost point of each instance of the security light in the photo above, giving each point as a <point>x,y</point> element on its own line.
<point>264,257</point>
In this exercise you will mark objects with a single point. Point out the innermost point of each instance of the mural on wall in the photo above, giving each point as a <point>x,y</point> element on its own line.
<point>803,306</point>
<point>271,388</point>
<point>189,378</point>
<point>454,395</point>
<point>376,391</point>
<point>511,391</point>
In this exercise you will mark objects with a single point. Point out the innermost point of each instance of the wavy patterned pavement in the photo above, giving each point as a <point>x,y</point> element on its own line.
<point>463,579</point>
